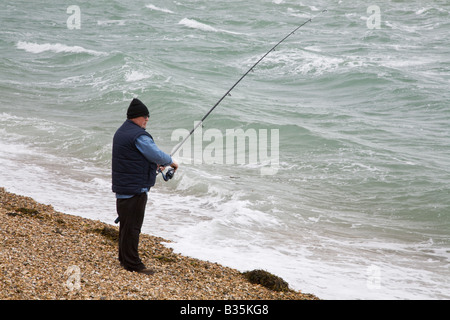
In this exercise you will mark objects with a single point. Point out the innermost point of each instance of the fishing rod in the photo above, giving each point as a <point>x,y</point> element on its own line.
<point>171,171</point>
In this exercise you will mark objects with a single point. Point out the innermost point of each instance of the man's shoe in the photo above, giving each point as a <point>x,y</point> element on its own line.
<point>146,271</point>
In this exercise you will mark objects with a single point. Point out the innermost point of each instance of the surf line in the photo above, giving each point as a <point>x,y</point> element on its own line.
<point>170,173</point>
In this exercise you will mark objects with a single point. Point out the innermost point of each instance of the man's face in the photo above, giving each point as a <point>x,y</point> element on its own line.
<point>141,121</point>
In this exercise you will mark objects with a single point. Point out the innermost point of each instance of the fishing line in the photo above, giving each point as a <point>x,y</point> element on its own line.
<point>170,173</point>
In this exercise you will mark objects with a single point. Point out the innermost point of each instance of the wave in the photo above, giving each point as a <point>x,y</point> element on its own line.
<point>190,23</point>
<point>111,22</point>
<point>134,75</point>
<point>427,9</point>
<point>153,7</point>
<point>302,61</point>
<point>194,24</point>
<point>56,47</point>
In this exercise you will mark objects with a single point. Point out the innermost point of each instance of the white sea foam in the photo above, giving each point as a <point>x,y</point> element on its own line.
<point>153,7</point>
<point>55,47</point>
<point>191,23</point>
<point>111,22</point>
<point>27,171</point>
<point>289,61</point>
<point>426,9</point>
<point>194,24</point>
<point>136,76</point>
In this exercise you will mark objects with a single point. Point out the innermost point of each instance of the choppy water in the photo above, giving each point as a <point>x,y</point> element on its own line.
<point>359,207</point>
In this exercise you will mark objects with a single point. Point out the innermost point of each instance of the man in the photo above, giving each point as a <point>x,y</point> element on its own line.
<point>135,159</point>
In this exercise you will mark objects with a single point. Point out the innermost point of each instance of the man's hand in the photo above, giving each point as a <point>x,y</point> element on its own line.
<point>174,165</point>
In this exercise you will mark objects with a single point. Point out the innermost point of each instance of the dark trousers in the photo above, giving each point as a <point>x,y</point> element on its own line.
<point>131,213</point>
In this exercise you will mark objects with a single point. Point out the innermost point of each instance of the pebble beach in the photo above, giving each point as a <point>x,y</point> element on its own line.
<point>49,255</point>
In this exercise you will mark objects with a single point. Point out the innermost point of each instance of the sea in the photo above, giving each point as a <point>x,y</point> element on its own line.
<point>337,173</point>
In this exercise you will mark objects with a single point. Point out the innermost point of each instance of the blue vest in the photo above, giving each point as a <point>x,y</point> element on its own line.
<point>131,171</point>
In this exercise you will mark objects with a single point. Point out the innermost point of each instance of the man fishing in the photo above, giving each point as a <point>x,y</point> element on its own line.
<point>135,161</point>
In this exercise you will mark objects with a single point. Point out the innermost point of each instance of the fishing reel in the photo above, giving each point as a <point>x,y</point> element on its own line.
<point>169,175</point>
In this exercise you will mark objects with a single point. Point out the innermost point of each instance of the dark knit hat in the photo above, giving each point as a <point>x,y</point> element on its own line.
<point>137,109</point>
